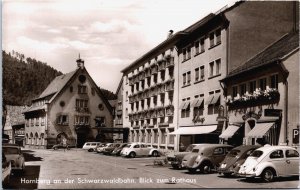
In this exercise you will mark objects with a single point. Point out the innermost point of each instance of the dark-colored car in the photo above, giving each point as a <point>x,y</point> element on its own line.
<point>235,158</point>
<point>205,157</point>
<point>117,150</point>
<point>175,158</point>
<point>61,146</point>
<point>108,149</point>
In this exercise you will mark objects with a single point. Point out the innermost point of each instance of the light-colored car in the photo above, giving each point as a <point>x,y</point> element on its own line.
<point>6,170</point>
<point>90,146</point>
<point>235,158</point>
<point>175,158</point>
<point>205,157</point>
<point>138,149</point>
<point>271,161</point>
<point>14,155</point>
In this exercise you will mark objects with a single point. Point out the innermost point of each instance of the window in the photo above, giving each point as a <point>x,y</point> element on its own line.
<point>185,108</point>
<point>218,36</point>
<point>291,153</point>
<point>62,120</point>
<point>211,69</point>
<point>82,120</point>
<point>155,136</point>
<point>132,89</point>
<point>155,100</point>
<point>274,81</point>
<point>189,52</point>
<point>81,105</point>
<point>163,137</point>
<point>234,91</point>
<point>218,151</point>
<point>242,89</point>
<point>252,86</point>
<point>202,72</point>
<point>162,75</point>
<point>212,39</point>
<point>277,154</point>
<point>170,95</point>
<point>197,74</point>
<point>263,83</point>
<point>189,77</point>
<point>218,66</point>
<point>184,79</point>
<point>184,54</point>
<point>197,47</point>
<point>137,86</point>
<point>82,89</point>
<point>202,45</point>
<point>155,79</point>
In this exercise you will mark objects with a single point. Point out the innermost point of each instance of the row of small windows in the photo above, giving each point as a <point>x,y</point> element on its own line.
<point>214,70</point>
<point>214,39</point>
<point>252,86</point>
<point>40,121</point>
<point>146,137</point>
<point>213,102</point>
<point>63,119</point>
<point>82,89</point>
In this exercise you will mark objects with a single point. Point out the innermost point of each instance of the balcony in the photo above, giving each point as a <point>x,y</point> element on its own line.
<point>170,62</point>
<point>147,72</point>
<point>161,88</point>
<point>160,112</point>
<point>153,113</point>
<point>162,66</point>
<point>169,86</point>
<point>141,76</point>
<point>154,69</point>
<point>135,126</point>
<point>170,110</point>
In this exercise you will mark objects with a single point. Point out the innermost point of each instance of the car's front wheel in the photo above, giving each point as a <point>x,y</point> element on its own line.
<point>132,155</point>
<point>155,154</point>
<point>91,150</point>
<point>268,175</point>
<point>206,167</point>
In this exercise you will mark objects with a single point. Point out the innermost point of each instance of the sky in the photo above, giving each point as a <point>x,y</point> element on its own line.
<point>108,34</point>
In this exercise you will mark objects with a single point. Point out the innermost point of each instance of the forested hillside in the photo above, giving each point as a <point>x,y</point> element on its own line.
<point>26,78</point>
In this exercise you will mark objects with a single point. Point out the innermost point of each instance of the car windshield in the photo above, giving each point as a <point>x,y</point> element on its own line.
<point>256,153</point>
<point>10,150</point>
<point>234,153</point>
<point>196,150</point>
<point>190,148</point>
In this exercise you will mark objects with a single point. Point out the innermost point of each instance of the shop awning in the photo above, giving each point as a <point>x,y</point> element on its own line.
<point>215,99</point>
<point>209,99</point>
<point>194,102</point>
<point>229,132</point>
<point>200,102</point>
<point>186,105</point>
<point>195,130</point>
<point>259,130</point>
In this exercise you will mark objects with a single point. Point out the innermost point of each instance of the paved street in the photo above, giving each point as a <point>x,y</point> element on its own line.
<point>78,169</point>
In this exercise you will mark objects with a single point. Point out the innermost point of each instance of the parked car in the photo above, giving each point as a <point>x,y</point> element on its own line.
<point>90,146</point>
<point>175,158</point>
<point>137,149</point>
<point>102,146</point>
<point>117,150</point>
<point>14,155</point>
<point>60,146</point>
<point>6,170</point>
<point>110,148</point>
<point>205,157</point>
<point>235,158</point>
<point>271,161</point>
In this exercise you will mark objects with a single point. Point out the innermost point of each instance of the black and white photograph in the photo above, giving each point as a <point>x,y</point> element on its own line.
<point>147,94</point>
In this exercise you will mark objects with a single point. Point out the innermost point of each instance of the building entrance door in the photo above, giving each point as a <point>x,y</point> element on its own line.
<point>81,139</point>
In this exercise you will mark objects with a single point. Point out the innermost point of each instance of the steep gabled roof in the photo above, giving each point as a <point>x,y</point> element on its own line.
<point>272,53</point>
<point>57,84</point>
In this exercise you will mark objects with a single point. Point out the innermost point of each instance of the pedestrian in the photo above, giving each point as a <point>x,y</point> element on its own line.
<point>64,141</point>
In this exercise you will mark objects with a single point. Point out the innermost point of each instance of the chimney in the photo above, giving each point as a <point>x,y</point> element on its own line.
<point>170,33</point>
<point>80,62</point>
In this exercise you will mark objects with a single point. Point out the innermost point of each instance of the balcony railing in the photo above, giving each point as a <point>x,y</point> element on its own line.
<point>170,110</point>
<point>170,62</point>
<point>154,69</point>
<point>169,86</point>
<point>147,73</point>
<point>162,65</point>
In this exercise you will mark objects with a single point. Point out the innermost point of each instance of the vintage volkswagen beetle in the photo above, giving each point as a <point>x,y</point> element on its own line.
<point>235,158</point>
<point>271,161</point>
<point>138,149</point>
<point>205,157</point>
<point>175,158</point>
<point>108,149</point>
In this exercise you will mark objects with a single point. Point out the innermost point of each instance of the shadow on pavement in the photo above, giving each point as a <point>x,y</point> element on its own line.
<point>29,156</point>
<point>25,180</point>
